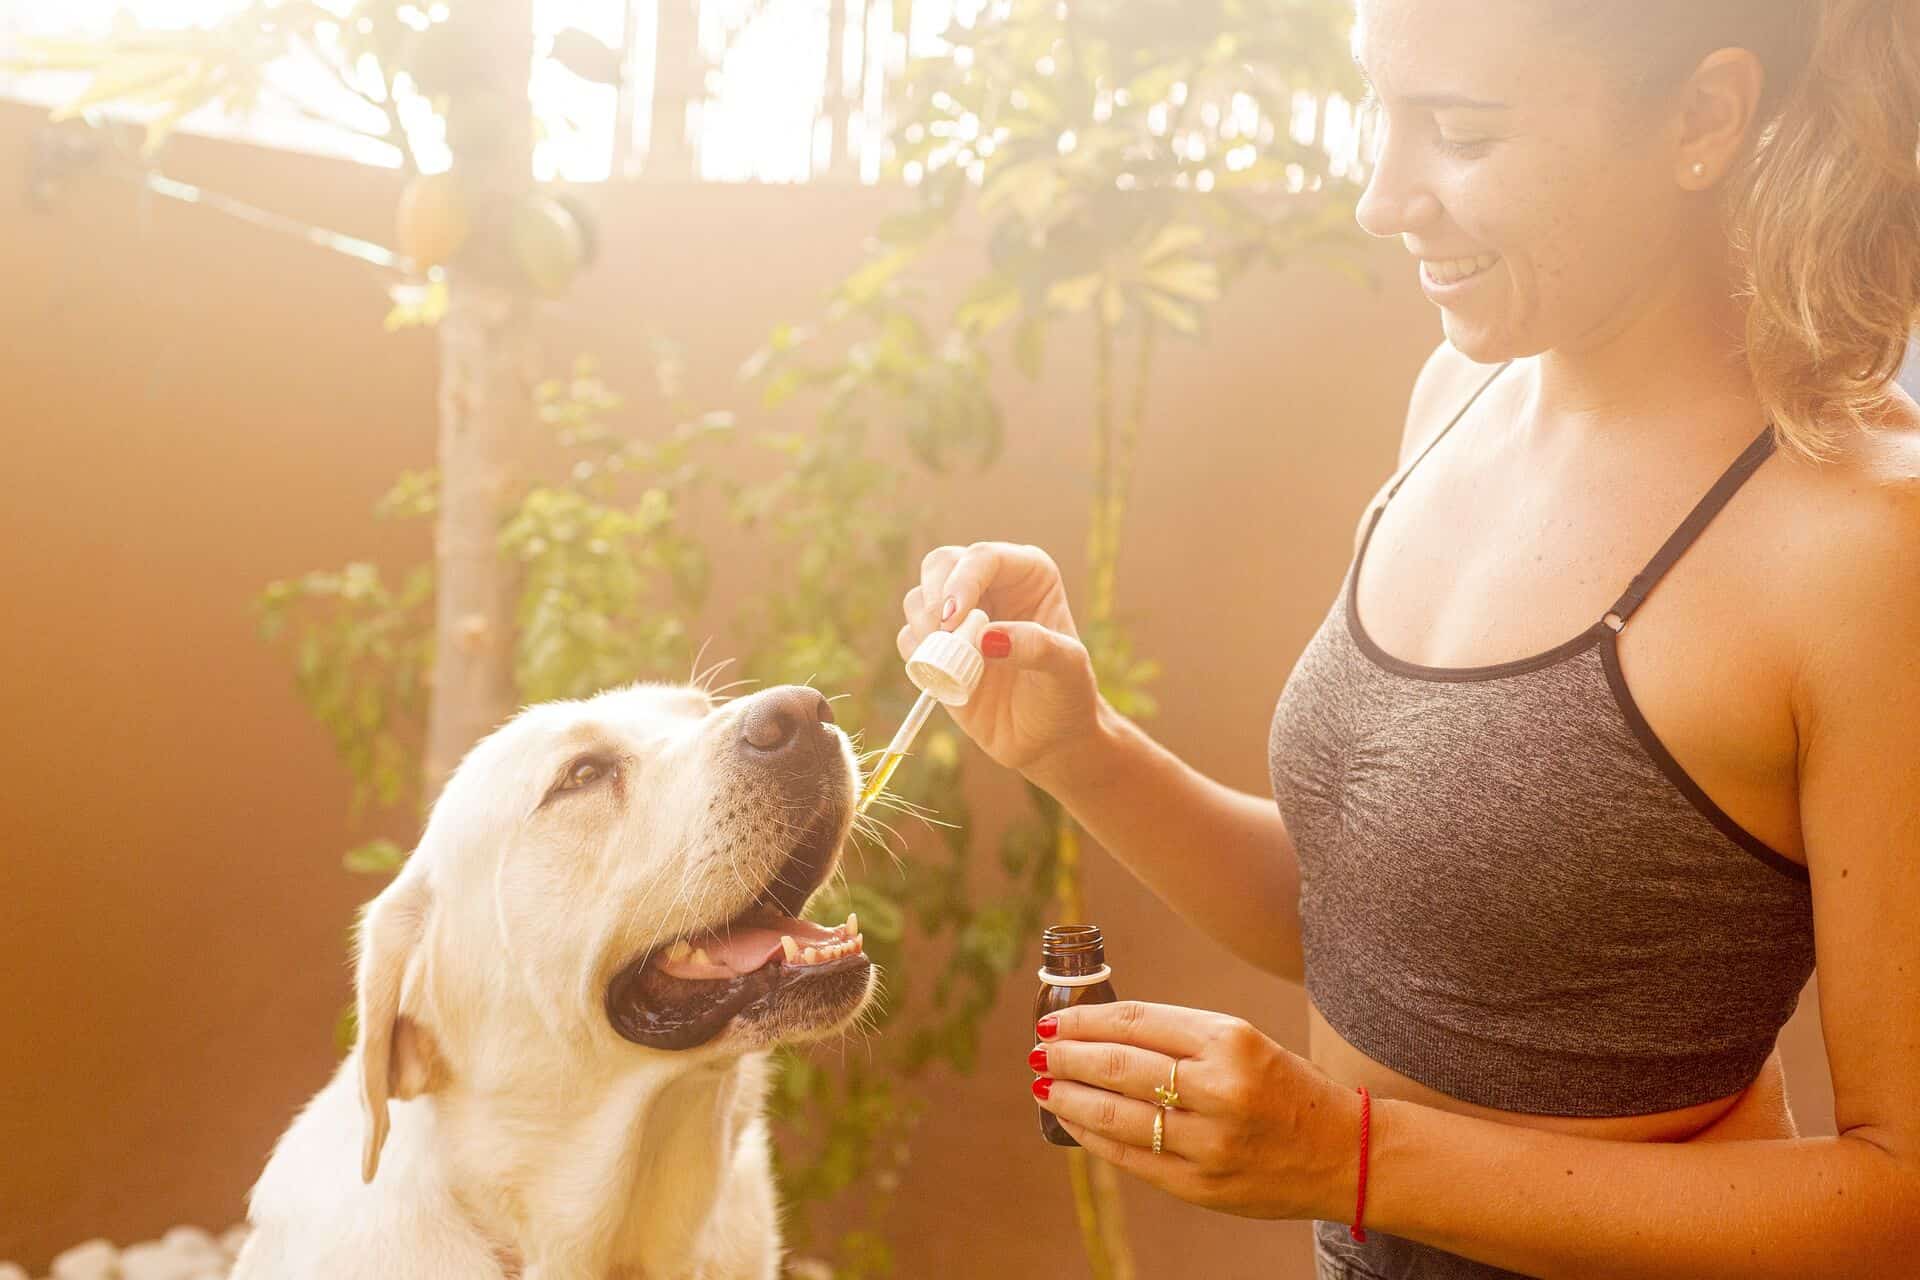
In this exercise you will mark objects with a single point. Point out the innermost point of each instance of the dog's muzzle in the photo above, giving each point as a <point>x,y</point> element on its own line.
<point>683,993</point>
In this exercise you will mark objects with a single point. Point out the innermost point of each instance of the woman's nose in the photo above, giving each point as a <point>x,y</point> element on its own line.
<point>1397,200</point>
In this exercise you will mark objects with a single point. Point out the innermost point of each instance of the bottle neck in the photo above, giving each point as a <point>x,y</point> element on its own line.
<point>1072,950</point>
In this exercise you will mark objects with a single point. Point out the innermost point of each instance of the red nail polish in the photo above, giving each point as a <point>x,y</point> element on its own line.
<point>995,644</point>
<point>1048,1027</point>
<point>1042,1085</point>
<point>1038,1059</point>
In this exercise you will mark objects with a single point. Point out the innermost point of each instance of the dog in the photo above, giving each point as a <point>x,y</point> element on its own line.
<point>566,1001</point>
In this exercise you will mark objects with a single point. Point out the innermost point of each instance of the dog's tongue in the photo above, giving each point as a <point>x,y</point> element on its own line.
<point>741,947</point>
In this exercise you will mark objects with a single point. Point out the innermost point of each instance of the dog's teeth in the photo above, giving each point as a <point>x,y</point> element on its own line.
<point>853,923</point>
<point>858,944</point>
<point>700,956</point>
<point>789,947</point>
<point>679,950</point>
<point>811,955</point>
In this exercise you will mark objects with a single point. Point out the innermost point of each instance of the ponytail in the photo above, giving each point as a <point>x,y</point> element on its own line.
<point>1827,214</point>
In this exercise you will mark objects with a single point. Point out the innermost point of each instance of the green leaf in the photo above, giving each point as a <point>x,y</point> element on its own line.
<point>1172,239</point>
<point>988,304</point>
<point>1074,295</point>
<point>1178,316</point>
<point>1029,343</point>
<point>346,1029</point>
<point>1187,278</point>
<point>376,857</point>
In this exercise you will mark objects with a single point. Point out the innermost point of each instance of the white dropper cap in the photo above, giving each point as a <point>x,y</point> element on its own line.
<point>948,664</point>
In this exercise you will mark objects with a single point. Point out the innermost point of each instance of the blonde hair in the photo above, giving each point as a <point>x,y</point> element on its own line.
<point>1825,208</point>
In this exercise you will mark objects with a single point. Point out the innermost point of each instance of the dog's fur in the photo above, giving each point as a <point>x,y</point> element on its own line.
<point>528,1139</point>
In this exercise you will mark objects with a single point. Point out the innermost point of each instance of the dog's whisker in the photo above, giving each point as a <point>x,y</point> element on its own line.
<point>694,673</point>
<point>900,804</point>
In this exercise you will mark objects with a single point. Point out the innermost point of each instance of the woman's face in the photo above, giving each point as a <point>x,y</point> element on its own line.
<point>1543,207</point>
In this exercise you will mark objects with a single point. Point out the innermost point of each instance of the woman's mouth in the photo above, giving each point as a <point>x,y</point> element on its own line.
<point>1445,273</point>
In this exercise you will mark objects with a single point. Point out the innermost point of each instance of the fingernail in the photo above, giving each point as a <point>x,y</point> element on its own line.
<point>1042,1085</point>
<point>996,644</point>
<point>946,610</point>
<point>1038,1059</point>
<point>1047,1027</point>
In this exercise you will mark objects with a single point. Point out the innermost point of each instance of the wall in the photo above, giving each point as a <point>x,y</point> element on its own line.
<point>194,407</point>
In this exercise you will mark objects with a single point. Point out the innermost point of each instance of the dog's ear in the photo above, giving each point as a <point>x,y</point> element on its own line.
<point>398,1057</point>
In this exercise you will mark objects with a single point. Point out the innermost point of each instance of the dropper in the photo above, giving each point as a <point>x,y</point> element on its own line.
<point>946,667</point>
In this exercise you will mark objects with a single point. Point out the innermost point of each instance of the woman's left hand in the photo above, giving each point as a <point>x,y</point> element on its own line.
<point>1256,1131</point>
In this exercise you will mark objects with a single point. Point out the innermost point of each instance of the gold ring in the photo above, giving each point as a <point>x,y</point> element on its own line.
<point>1169,1093</point>
<point>1159,1127</point>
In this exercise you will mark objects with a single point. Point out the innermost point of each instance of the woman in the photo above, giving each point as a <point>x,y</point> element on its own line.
<point>1613,739</point>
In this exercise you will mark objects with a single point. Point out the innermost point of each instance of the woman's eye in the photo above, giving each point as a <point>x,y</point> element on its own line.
<point>1465,148</point>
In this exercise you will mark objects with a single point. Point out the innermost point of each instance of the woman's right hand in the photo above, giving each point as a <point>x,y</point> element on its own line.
<point>1040,702</point>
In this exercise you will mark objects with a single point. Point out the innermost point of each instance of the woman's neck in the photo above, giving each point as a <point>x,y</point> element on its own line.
<point>1674,362</point>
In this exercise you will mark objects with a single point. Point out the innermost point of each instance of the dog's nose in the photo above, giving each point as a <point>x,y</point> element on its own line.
<point>785,721</point>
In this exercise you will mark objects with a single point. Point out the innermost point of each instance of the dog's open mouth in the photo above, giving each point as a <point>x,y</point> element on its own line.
<point>682,993</point>
<point>753,940</point>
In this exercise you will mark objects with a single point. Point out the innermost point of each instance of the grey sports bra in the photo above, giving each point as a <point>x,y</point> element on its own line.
<point>1510,890</point>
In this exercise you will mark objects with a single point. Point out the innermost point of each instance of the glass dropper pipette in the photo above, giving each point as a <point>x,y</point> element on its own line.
<point>946,667</point>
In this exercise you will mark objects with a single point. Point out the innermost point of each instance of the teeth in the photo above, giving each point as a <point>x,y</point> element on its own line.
<point>853,923</point>
<point>1453,270</point>
<point>820,954</point>
<point>679,950</point>
<point>700,956</point>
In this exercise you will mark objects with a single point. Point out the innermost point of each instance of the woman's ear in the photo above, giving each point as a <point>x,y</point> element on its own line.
<point>398,1055</point>
<point>1718,106</point>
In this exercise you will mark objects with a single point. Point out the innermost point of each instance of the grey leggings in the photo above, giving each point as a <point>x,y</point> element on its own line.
<point>1383,1257</point>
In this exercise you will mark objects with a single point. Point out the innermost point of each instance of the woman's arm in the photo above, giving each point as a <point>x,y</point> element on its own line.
<point>1565,1208</point>
<point>1221,858</point>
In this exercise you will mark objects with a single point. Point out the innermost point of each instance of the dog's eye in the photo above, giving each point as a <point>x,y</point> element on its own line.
<point>584,772</point>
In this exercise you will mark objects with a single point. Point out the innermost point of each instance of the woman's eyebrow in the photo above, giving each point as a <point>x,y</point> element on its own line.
<point>1434,101</point>
<point>1451,102</point>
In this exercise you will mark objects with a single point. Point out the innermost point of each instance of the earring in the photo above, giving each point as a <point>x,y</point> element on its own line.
<point>1699,168</point>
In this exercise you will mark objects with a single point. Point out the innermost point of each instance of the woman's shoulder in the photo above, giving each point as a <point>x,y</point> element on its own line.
<point>1851,523</point>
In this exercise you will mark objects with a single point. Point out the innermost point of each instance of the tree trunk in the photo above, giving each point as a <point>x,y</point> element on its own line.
<point>836,101</point>
<point>488,366</point>
<point>678,76</point>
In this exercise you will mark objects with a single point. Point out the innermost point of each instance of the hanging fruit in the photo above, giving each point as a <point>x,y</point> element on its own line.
<point>433,221</point>
<point>547,243</point>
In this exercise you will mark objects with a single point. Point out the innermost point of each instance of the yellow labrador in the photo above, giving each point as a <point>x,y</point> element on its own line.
<point>566,999</point>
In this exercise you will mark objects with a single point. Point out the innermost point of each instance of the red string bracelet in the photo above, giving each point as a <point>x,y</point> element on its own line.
<point>1360,1201</point>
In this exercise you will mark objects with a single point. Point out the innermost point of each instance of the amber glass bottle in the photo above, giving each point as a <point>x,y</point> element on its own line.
<point>1073,970</point>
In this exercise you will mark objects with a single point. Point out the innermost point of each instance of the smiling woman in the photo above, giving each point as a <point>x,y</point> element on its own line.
<point>1614,702</point>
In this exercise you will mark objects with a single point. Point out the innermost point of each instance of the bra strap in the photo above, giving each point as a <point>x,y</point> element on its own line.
<point>1441,434</point>
<point>1697,520</point>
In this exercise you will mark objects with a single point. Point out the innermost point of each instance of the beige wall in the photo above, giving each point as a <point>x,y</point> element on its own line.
<point>194,407</point>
